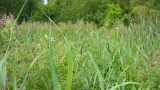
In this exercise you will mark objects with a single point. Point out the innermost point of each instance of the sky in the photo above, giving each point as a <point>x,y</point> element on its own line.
<point>45,2</point>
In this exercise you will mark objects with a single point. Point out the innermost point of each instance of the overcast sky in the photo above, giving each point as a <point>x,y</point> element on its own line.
<point>45,2</point>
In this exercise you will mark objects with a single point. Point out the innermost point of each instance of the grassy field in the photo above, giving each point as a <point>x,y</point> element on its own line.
<point>80,56</point>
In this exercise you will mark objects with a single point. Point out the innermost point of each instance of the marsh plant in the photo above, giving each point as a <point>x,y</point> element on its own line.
<point>82,56</point>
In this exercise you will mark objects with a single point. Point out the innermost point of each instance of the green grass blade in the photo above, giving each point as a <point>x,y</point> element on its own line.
<point>70,64</point>
<point>55,81</point>
<point>124,84</point>
<point>3,73</point>
<point>100,77</point>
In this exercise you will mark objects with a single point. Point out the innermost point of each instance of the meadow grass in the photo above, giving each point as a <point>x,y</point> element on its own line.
<point>82,56</point>
<point>3,59</point>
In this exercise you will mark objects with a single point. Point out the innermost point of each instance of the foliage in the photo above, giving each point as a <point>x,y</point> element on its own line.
<point>38,14</point>
<point>141,12</point>
<point>96,11</point>
<point>114,13</point>
<point>14,6</point>
<point>72,10</point>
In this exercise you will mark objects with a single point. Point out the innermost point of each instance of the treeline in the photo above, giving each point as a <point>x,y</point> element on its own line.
<point>99,11</point>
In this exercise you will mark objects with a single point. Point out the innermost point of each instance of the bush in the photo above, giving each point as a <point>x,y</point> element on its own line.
<point>141,12</point>
<point>72,10</point>
<point>39,15</point>
<point>114,13</point>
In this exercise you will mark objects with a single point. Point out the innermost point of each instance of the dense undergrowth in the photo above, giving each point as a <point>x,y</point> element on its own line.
<point>43,55</point>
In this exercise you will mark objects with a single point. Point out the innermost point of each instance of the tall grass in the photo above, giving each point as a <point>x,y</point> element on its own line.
<point>70,65</point>
<point>82,56</point>
<point>3,62</point>
<point>50,62</point>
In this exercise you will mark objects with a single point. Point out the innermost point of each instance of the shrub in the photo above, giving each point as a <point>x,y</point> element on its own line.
<point>114,12</point>
<point>49,9</point>
<point>72,10</point>
<point>141,12</point>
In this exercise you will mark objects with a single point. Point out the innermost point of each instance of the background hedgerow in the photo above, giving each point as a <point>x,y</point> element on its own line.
<point>96,11</point>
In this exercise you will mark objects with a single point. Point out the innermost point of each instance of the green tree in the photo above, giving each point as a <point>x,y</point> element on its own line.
<point>14,6</point>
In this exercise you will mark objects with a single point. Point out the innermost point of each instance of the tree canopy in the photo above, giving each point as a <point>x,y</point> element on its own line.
<point>72,10</point>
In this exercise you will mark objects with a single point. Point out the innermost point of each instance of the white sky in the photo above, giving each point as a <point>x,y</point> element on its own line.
<point>45,2</point>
